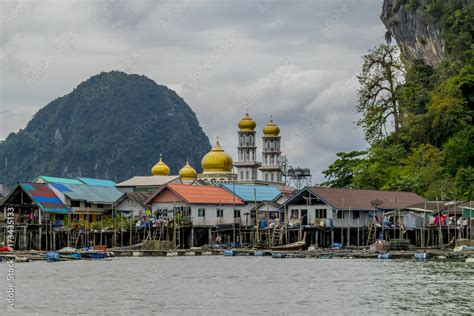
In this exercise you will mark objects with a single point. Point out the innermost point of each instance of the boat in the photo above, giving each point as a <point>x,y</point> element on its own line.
<point>421,255</point>
<point>278,255</point>
<point>97,255</point>
<point>72,256</point>
<point>230,252</point>
<point>293,246</point>
<point>385,255</point>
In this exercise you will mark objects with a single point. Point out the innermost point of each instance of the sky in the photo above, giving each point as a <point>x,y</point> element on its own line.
<point>294,61</point>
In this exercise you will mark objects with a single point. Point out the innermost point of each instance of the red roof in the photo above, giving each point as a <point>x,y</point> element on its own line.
<point>356,199</point>
<point>195,194</point>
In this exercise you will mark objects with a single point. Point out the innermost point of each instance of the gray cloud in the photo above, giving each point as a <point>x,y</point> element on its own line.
<point>312,97</point>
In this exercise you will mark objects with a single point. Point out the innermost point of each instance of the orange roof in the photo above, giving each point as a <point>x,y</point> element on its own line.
<point>195,194</point>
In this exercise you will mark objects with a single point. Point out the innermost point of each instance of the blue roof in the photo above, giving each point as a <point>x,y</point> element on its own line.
<point>45,198</point>
<point>97,182</point>
<point>251,192</point>
<point>89,193</point>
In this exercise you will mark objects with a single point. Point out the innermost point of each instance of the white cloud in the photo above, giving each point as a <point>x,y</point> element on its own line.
<point>279,62</point>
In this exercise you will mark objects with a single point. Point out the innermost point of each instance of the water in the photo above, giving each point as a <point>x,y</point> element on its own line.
<point>242,285</point>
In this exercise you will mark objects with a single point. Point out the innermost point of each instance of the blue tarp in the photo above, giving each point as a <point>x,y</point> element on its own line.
<point>252,192</point>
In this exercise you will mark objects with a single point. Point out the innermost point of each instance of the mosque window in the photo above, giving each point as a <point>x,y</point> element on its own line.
<point>272,177</point>
<point>246,174</point>
<point>266,177</point>
<point>241,174</point>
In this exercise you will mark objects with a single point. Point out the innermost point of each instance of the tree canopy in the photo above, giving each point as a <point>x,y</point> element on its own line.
<point>430,150</point>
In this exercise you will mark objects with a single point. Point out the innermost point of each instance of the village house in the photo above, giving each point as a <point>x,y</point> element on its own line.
<point>256,197</point>
<point>132,204</point>
<point>201,210</point>
<point>146,183</point>
<point>50,210</point>
<point>347,216</point>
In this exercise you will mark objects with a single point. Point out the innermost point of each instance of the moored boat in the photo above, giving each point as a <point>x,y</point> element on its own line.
<point>293,246</point>
<point>421,255</point>
<point>385,255</point>
<point>278,255</point>
<point>230,252</point>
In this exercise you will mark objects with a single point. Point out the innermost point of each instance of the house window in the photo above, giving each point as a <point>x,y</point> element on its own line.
<point>100,205</point>
<point>88,204</point>
<point>355,214</point>
<point>220,212</point>
<point>202,212</point>
<point>76,217</point>
<point>75,203</point>
<point>236,213</point>
<point>340,214</point>
<point>294,214</point>
<point>320,213</point>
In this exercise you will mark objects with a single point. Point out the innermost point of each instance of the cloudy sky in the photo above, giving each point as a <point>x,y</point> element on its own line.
<point>294,60</point>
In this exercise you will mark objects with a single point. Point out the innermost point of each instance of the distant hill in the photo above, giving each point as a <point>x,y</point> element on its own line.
<point>113,126</point>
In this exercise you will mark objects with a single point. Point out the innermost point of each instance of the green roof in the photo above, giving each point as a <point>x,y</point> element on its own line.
<point>97,182</point>
<point>89,193</point>
<point>58,180</point>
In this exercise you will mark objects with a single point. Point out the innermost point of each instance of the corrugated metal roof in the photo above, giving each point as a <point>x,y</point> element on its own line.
<point>45,198</point>
<point>195,194</point>
<point>139,197</point>
<point>251,192</point>
<point>356,199</point>
<point>59,180</point>
<point>147,181</point>
<point>89,193</point>
<point>97,182</point>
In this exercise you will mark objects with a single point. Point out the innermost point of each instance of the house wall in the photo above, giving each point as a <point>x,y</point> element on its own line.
<point>348,219</point>
<point>130,205</point>
<point>210,218</point>
<point>94,208</point>
<point>167,196</point>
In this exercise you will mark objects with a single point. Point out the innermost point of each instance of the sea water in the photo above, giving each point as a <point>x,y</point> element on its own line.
<point>221,285</point>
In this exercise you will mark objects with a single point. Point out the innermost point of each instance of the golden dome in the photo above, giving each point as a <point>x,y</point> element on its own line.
<point>187,172</point>
<point>247,124</point>
<point>160,169</point>
<point>271,129</point>
<point>216,161</point>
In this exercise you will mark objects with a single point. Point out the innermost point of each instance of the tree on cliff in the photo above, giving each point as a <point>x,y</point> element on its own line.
<point>380,80</point>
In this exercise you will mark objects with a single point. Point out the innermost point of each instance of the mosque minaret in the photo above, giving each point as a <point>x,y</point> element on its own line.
<point>217,165</point>
<point>271,153</point>
<point>247,165</point>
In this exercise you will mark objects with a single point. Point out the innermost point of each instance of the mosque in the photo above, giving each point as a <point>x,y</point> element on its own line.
<point>218,166</point>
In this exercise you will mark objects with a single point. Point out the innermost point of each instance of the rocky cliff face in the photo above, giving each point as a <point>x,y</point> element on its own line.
<point>417,36</point>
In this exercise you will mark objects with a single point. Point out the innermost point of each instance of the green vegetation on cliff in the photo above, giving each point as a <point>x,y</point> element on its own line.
<point>113,126</point>
<point>430,151</point>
